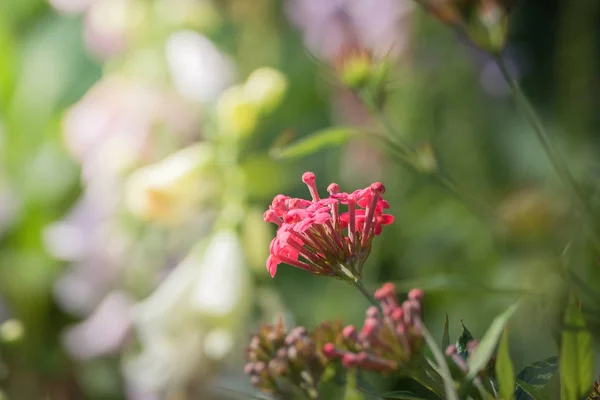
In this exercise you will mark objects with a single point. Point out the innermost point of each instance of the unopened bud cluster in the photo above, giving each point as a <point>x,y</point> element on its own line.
<point>485,22</point>
<point>282,363</point>
<point>385,343</point>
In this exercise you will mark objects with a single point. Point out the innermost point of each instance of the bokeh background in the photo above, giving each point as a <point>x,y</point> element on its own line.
<point>136,161</point>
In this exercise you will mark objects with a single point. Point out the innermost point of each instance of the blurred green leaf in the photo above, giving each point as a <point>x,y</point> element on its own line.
<point>576,355</point>
<point>531,390</point>
<point>366,388</point>
<point>7,63</point>
<point>446,335</point>
<point>442,366</point>
<point>352,391</point>
<point>504,370</point>
<point>480,358</point>
<point>319,140</point>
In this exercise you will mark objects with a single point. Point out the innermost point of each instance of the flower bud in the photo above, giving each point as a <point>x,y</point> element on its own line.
<point>354,69</point>
<point>425,160</point>
<point>358,70</point>
<point>485,22</point>
<point>11,331</point>
<point>265,88</point>
<point>236,115</point>
<point>167,191</point>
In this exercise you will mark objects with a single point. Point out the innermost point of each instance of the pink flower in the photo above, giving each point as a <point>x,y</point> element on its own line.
<point>316,237</point>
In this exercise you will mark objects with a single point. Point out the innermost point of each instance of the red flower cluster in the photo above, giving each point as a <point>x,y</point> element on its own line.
<point>387,343</point>
<point>311,233</point>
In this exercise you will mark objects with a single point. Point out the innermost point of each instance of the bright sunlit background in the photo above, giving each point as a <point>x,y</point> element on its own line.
<point>136,161</point>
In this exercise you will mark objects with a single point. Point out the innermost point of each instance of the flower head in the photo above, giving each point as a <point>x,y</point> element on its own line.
<point>280,361</point>
<point>385,343</point>
<point>318,237</point>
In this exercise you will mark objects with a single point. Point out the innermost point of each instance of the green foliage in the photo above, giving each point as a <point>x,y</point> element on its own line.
<point>400,394</point>
<point>532,390</point>
<point>537,375</point>
<point>576,355</point>
<point>316,141</point>
<point>446,334</point>
<point>351,389</point>
<point>487,346</point>
<point>505,373</point>
<point>442,366</point>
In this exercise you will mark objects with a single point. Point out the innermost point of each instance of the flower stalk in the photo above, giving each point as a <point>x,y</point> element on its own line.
<point>409,157</point>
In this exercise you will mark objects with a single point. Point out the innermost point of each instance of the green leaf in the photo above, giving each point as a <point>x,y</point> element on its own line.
<point>532,391</point>
<point>480,358</point>
<point>442,365</point>
<point>576,355</point>
<point>446,335</point>
<point>464,338</point>
<point>505,372</point>
<point>329,137</point>
<point>537,374</point>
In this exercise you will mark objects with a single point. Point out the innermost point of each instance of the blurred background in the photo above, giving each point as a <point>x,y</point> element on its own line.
<point>136,160</point>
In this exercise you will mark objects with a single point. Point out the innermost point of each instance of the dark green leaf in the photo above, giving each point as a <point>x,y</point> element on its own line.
<point>464,338</point>
<point>504,370</point>
<point>480,358</point>
<point>446,335</point>
<point>537,374</point>
<point>576,355</point>
<point>532,391</point>
<point>329,137</point>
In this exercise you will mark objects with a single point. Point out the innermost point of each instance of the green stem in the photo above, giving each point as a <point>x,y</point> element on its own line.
<point>368,295</point>
<point>383,120</point>
<point>556,159</point>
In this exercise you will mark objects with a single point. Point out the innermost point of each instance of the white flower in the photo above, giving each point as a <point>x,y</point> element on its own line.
<point>199,71</point>
<point>192,318</point>
<point>222,277</point>
<point>103,332</point>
